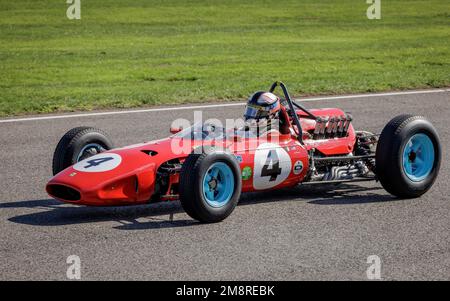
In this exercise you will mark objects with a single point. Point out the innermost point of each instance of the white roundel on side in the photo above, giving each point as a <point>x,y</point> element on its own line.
<point>272,166</point>
<point>99,163</point>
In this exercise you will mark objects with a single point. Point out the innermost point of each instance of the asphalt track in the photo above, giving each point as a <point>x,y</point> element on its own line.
<point>321,233</point>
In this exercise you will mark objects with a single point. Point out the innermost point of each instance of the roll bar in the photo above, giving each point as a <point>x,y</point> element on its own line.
<point>293,104</point>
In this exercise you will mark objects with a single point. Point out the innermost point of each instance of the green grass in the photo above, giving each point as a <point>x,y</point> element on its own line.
<point>128,53</point>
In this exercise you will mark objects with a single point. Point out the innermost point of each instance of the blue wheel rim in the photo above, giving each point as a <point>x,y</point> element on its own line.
<point>218,184</point>
<point>89,150</point>
<point>418,157</point>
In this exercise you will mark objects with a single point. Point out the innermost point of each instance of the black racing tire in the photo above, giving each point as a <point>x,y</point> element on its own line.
<point>390,169</point>
<point>72,143</point>
<point>192,174</point>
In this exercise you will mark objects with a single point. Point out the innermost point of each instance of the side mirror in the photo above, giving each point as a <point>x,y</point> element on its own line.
<point>175,130</point>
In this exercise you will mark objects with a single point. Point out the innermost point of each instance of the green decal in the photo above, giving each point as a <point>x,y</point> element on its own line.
<point>246,173</point>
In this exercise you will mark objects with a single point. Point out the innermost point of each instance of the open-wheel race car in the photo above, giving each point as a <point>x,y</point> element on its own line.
<point>317,146</point>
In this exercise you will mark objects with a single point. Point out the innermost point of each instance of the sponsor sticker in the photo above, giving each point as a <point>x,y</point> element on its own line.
<point>246,173</point>
<point>298,167</point>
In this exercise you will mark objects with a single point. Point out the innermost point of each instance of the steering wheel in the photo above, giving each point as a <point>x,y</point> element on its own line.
<point>211,130</point>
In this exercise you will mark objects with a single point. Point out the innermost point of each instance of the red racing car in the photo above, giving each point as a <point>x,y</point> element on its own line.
<point>207,166</point>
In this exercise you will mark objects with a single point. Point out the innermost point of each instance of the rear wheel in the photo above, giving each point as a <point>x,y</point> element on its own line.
<point>210,185</point>
<point>408,156</point>
<point>78,144</point>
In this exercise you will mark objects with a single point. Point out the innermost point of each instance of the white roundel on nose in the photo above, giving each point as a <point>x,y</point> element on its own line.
<point>272,166</point>
<point>99,163</point>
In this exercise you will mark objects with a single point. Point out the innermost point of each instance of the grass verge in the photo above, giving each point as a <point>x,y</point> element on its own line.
<point>129,53</point>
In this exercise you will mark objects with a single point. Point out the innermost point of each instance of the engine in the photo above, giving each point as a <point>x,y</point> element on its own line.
<point>359,164</point>
<point>347,171</point>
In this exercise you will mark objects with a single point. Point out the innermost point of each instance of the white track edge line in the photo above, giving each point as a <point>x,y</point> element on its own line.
<point>215,106</point>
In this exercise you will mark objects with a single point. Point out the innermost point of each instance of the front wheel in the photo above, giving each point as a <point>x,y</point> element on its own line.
<point>210,185</point>
<point>78,144</point>
<point>408,156</point>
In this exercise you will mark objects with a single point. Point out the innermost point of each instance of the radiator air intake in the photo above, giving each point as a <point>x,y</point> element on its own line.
<point>63,192</point>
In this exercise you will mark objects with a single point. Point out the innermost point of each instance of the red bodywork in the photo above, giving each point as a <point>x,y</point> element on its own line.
<point>133,180</point>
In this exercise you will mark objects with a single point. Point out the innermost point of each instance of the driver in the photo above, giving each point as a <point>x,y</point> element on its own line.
<point>262,112</point>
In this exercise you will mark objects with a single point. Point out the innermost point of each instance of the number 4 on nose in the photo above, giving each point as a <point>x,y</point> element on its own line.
<point>96,162</point>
